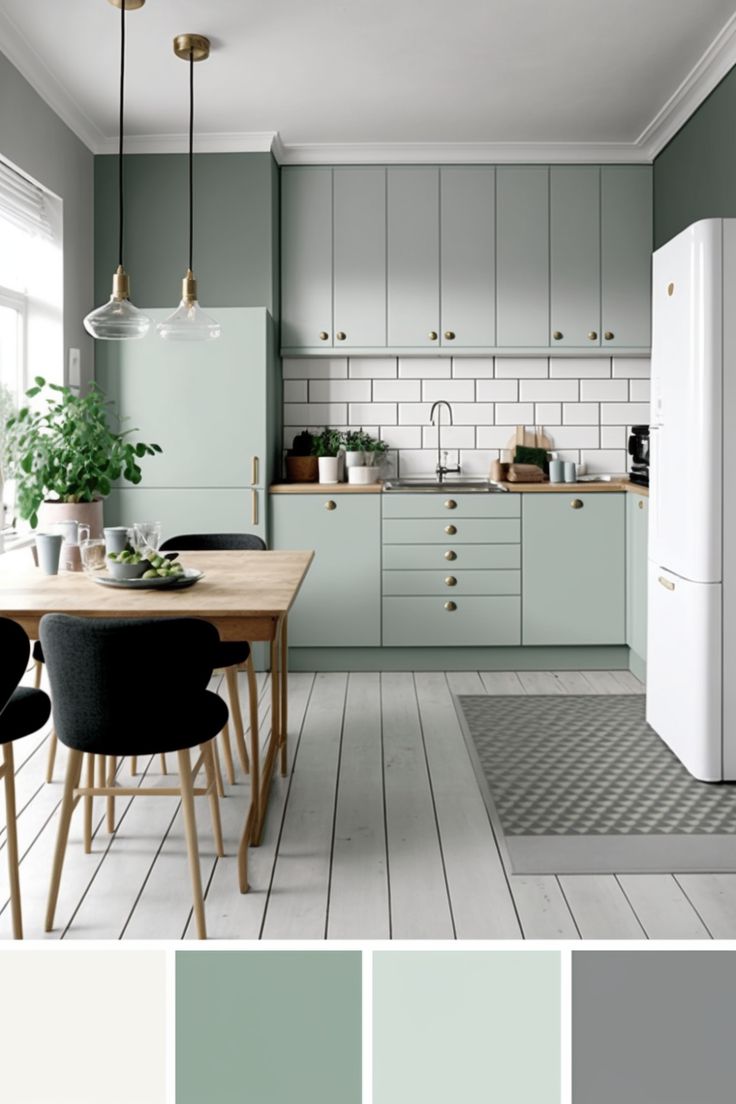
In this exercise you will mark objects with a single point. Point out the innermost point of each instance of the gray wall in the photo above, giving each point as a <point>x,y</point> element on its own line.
<point>235,230</point>
<point>35,140</point>
<point>695,175</point>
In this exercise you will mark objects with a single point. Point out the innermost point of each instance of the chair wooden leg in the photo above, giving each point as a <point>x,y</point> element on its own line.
<point>89,805</point>
<point>164,768</point>
<point>209,751</point>
<point>38,669</point>
<point>101,768</point>
<point>243,852</point>
<point>73,774</point>
<point>218,774</point>
<point>190,827</point>
<point>227,753</point>
<point>111,772</point>
<point>231,675</point>
<point>51,762</point>
<point>284,697</point>
<point>255,751</point>
<point>133,765</point>
<point>12,840</point>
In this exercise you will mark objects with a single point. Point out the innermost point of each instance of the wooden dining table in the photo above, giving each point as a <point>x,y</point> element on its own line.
<point>245,595</point>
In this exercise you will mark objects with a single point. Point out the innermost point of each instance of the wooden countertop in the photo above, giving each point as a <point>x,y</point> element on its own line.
<point>617,485</point>
<point>325,488</point>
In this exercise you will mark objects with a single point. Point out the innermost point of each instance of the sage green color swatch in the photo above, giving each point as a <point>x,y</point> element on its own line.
<point>268,1027</point>
<point>470,1026</point>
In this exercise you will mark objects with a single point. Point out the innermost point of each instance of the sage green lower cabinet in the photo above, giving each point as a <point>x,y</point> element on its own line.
<point>637,520</point>
<point>339,604</point>
<point>411,622</point>
<point>193,510</point>
<point>573,569</point>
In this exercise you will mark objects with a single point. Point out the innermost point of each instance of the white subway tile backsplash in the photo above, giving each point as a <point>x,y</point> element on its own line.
<point>497,390</point>
<point>604,390</point>
<point>639,390</point>
<point>548,414</point>
<point>477,413</point>
<point>340,390</point>
<point>397,390</point>
<point>295,390</point>
<point>425,367</point>
<point>459,390</point>
<point>631,367</point>
<point>306,414</point>
<point>315,367</point>
<point>493,437</point>
<point>362,413</point>
<point>454,436</point>
<point>624,413</point>
<point>548,390</point>
<point>576,437</point>
<point>580,413</point>
<point>580,367</point>
<point>477,461</point>
<point>414,413</point>
<point>402,437</point>
<point>521,367</point>
<point>514,413</point>
<point>604,461</point>
<point>472,367</point>
<point>423,461</point>
<point>372,367</point>
<point>614,437</point>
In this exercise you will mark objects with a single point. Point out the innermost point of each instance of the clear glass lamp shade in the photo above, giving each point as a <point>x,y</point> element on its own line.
<point>189,323</point>
<point>118,320</point>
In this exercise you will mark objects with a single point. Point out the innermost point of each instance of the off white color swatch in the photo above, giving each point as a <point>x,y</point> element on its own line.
<point>82,1027</point>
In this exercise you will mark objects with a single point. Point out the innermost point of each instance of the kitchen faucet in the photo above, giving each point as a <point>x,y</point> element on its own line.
<point>442,470</point>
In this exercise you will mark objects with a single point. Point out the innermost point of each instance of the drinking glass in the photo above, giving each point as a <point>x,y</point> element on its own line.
<point>93,556</point>
<point>146,535</point>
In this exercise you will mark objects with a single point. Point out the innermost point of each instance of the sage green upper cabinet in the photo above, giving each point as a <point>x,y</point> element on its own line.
<point>637,517</point>
<point>339,604</point>
<point>626,255</point>
<point>575,255</point>
<point>573,569</point>
<point>306,256</point>
<point>467,256</point>
<point>522,255</point>
<point>359,251</point>
<point>413,235</point>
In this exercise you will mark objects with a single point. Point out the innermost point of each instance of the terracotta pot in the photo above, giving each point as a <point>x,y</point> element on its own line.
<point>302,469</point>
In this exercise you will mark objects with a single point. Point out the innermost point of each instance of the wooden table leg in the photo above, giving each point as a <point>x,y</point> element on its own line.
<point>284,695</point>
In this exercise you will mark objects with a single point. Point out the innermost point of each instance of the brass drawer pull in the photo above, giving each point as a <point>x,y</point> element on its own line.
<point>254,471</point>
<point>609,335</point>
<point>340,335</point>
<point>592,336</point>
<point>432,335</point>
<point>450,581</point>
<point>323,335</point>
<point>666,583</point>
<point>330,504</point>
<point>450,555</point>
<point>254,507</point>
<point>577,504</point>
<point>449,335</point>
<point>450,504</point>
<point>451,530</point>
<point>451,606</point>
<point>557,335</point>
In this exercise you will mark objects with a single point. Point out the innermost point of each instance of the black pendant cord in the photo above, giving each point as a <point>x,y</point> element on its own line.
<point>191,156</point>
<point>120,139</point>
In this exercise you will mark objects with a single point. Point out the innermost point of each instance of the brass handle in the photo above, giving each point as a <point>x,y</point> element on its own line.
<point>451,606</point>
<point>592,336</point>
<point>254,507</point>
<point>450,530</point>
<point>330,504</point>
<point>323,335</point>
<point>254,471</point>
<point>670,289</point>
<point>450,504</point>
<point>432,335</point>
<point>641,503</point>
<point>666,583</point>
<point>557,335</point>
<point>449,335</point>
<point>450,555</point>
<point>577,504</point>
<point>340,335</point>
<point>450,581</point>
<point>609,335</point>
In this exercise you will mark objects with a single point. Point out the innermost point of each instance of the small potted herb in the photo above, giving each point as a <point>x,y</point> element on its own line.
<point>301,462</point>
<point>327,446</point>
<point>356,442</point>
<point>375,452</point>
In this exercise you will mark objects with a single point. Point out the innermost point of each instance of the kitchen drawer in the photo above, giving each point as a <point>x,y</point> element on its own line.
<point>452,556</point>
<point>451,505</point>
<point>457,529</point>
<point>451,583</point>
<point>411,622</point>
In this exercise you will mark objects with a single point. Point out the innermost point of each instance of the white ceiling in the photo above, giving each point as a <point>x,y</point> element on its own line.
<point>352,79</point>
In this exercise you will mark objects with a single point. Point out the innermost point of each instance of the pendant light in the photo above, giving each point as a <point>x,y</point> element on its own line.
<point>118,319</point>
<point>189,322</point>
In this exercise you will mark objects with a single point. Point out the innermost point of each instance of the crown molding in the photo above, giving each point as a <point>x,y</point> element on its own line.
<point>460,153</point>
<point>247,142</point>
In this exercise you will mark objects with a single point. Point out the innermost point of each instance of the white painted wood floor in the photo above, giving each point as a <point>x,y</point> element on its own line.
<point>379,832</point>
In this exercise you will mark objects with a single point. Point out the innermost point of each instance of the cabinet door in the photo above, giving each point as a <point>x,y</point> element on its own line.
<point>413,257</point>
<point>626,254</point>
<point>468,260</point>
<point>522,255</point>
<point>637,509</point>
<point>211,510</point>
<point>573,563</point>
<point>306,256</point>
<point>575,255</point>
<point>359,231</point>
<point>339,604</point>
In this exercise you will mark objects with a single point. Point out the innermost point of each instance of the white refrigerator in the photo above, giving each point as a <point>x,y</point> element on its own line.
<point>691,654</point>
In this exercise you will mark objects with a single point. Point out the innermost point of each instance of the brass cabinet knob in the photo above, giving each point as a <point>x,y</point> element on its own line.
<point>432,335</point>
<point>450,555</point>
<point>450,504</point>
<point>592,336</point>
<point>449,335</point>
<point>609,335</point>
<point>670,289</point>
<point>451,606</point>
<point>323,335</point>
<point>330,504</point>
<point>450,581</point>
<point>340,335</point>
<point>450,530</point>
<point>641,503</point>
<point>557,335</point>
<point>577,504</point>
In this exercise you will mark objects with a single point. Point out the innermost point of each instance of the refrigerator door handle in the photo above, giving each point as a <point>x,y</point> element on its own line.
<point>666,583</point>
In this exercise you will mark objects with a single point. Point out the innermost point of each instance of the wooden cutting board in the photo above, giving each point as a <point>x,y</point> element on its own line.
<point>534,437</point>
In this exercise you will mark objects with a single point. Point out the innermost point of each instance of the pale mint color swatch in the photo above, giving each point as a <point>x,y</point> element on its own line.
<point>268,1027</point>
<point>473,1027</point>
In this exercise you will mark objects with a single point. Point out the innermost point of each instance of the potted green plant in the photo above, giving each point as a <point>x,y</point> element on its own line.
<point>375,451</point>
<point>356,442</point>
<point>327,445</point>
<point>301,463</point>
<point>65,456</point>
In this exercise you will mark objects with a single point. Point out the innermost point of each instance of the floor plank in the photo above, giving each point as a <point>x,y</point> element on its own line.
<point>600,907</point>
<point>662,908</point>
<point>542,908</point>
<point>501,682</point>
<point>604,682</point>
<point>540,682</point>
<point>714,897</point>
<point>573,682</point>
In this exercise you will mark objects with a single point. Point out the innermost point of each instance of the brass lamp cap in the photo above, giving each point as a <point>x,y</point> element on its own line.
<point>120,281</point>
<point>196,46</point>
<point>130,5</point>
<point>189,288</point>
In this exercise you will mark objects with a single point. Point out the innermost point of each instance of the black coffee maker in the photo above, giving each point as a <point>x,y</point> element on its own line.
<point>639,453</point>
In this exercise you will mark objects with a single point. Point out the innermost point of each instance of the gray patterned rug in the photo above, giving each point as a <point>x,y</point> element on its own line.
<point>584,785</point>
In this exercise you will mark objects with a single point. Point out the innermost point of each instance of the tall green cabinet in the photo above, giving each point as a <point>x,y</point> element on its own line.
<point>637,521</point>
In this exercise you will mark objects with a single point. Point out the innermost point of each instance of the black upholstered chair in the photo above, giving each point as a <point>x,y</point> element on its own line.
<point>133,687</point>
<point>22,710</point>
<point>230,653</point>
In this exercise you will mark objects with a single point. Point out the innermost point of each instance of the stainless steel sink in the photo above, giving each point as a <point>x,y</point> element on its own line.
<point>431,485</point>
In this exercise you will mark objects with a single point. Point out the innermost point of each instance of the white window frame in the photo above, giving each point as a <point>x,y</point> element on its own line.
<point>17,301</point>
